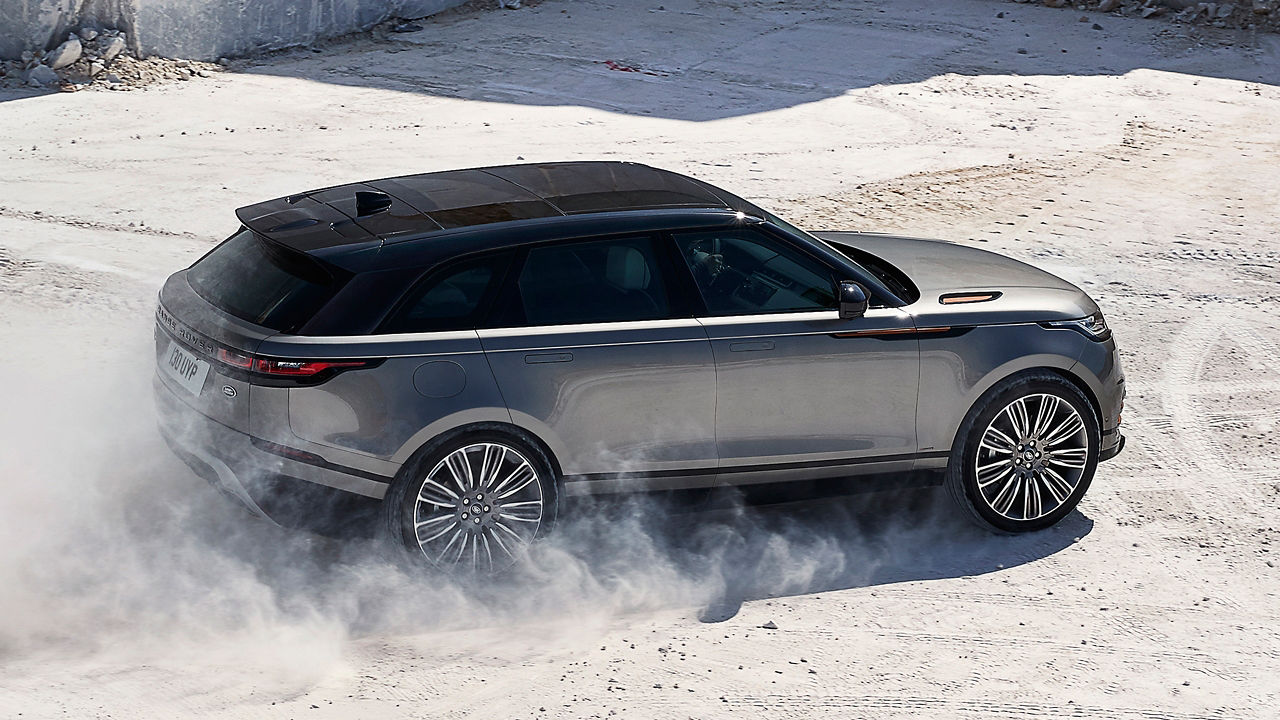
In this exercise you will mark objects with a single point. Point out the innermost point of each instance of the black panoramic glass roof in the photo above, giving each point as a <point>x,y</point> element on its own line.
<point>460,198</point>
<point>420,204</point>
<point>606,187</point>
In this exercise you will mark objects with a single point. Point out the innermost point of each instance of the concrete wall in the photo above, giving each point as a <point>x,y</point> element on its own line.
<point>200,29</point>
<point>42,24</point>
<point>209,29</point>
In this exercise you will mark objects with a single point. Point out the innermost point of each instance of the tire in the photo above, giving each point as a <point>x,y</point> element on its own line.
<point>1019,470</point>
<point>430,508</point>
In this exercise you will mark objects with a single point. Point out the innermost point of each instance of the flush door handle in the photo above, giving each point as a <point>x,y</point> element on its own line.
<point>751,346</point>
<point>536,358</point>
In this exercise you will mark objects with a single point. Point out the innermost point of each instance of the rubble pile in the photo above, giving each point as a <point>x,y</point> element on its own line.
<point>1262,15</point>
<point>90,57</point>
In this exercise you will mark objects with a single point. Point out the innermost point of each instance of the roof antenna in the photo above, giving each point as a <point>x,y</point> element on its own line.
<point>371,203</point>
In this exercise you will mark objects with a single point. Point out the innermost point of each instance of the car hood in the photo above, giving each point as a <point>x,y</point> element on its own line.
<point>937,268</point>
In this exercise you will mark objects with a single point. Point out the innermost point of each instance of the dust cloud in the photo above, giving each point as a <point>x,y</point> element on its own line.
<point>110,546</point>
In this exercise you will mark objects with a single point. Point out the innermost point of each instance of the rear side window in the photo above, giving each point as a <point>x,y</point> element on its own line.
<point>452,298</point>
<point>611,280</point>
<point>263,283</point>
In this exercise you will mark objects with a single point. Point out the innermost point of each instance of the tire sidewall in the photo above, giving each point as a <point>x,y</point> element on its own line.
<point>991,406</point>
<point>399,503</point>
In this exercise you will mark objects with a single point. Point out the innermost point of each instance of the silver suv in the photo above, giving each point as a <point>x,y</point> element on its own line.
<point>466,348</point>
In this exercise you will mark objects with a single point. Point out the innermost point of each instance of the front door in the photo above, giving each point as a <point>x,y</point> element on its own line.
<point>800,392</point>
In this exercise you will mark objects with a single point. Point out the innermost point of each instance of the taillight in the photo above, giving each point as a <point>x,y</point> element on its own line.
<point>279,368</point>
<point>302,368</point>
<point>235,359</point>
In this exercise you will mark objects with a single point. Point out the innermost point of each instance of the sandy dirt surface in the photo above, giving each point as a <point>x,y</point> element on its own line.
<point>1140,161</point>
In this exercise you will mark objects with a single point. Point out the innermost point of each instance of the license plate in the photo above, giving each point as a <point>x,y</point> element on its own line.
<point>184,368</point>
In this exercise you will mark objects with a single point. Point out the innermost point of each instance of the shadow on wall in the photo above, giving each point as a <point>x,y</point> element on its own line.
<point>697,60</point>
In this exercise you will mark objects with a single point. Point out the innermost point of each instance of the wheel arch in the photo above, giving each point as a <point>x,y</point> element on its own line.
<point>995,379</point>
<point>427,445</point>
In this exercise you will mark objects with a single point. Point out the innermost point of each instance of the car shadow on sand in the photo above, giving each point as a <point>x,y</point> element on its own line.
<point>784,541</point>
<point>710,550</point>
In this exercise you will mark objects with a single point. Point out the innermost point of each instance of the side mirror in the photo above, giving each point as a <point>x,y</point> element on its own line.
<point>853,299</point>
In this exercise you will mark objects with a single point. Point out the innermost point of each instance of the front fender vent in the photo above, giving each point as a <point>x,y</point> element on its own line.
<point>968,297</point>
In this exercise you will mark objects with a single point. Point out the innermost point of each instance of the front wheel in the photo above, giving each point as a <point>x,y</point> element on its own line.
<point>472,502</point>
<point>1025,454</point>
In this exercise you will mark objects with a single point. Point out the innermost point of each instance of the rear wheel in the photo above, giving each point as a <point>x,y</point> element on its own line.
<point>1025,454</point>
<point>472,502</point>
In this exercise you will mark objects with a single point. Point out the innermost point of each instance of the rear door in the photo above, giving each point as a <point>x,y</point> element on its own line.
<point>801,393</point>
<point>595,353</point>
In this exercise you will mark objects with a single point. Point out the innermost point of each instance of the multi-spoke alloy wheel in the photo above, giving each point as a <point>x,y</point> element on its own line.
<point>1031,457</point>
<point>1026,453</point>
<point>480,506</point>
<point>473,503</point>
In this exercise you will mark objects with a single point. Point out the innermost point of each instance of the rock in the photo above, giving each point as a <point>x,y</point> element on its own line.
<point>1096,26</point>
<point>112,78</point>
<point>113,48</point>
<point>771,625</point>
<point>224,62</point>
<point>95,68</point>
<point>1262,7</point>
<point>65,54</point>
<point>1055,3</point>
<point>1022,51</point>
<point>41,76</point>
<point>1149,11</point>
<point>1225,10</point>
<point>87,34</point>
<point>1108,5</point>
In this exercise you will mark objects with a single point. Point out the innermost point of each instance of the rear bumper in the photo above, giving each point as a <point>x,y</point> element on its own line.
<point>282,490</point>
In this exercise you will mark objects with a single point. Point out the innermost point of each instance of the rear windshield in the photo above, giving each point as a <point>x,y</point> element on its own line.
<point>263,283</point>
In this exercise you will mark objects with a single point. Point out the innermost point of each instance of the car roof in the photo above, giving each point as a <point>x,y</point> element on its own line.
<point>330,221</point>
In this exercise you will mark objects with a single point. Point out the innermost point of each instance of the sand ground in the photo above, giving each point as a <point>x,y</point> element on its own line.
<point>1140,161</point>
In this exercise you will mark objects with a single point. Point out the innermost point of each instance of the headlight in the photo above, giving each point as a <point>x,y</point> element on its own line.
<point>1093,327</point>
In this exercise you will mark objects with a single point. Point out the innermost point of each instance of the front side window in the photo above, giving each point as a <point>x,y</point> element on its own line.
<point>612,280</point>
<point>744,272</point>
<point>451,298</point>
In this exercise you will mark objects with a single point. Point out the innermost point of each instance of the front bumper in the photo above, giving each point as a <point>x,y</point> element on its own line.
<point>1112,444</point>
<point>281,490</point>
